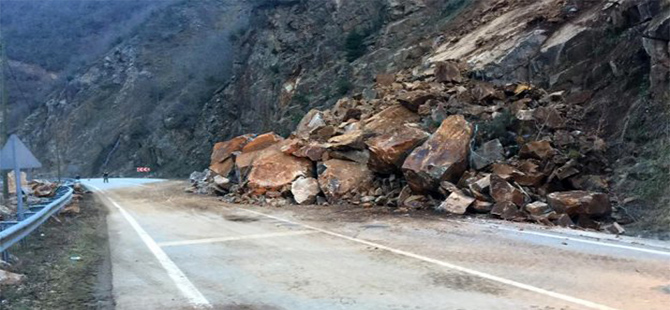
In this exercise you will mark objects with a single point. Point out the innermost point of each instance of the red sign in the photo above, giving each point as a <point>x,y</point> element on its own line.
<point>143,169</point>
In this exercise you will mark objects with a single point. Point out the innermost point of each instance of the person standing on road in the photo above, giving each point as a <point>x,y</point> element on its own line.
<point>105,177</point>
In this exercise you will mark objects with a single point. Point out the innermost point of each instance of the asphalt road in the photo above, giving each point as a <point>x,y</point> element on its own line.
<point>172,250</point>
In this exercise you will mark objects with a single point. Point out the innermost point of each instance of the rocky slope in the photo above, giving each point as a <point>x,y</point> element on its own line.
<point>288,56</point>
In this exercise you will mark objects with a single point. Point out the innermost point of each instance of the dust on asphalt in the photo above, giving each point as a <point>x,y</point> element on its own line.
<point>56,279</point>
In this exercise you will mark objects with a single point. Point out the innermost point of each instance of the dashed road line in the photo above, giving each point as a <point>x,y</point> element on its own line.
<point>534,289</point>
<point>237,238</point>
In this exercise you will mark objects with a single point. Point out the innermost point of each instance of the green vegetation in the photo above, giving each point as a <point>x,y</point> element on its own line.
<point>343,86</point>
<point>354,45</point>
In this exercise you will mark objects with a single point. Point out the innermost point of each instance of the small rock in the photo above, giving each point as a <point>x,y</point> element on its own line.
<point>580,203</point>
<point>537,149</point>
<point>505,210</point>
<point>489,153</point>
<point>501,191</point>
<point>305,190</point>
<point>615,228</point>
<point>456,203</point>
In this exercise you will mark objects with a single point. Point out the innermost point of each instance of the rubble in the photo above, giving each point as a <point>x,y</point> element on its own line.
<point>9,278</point>
<point>428,139</point>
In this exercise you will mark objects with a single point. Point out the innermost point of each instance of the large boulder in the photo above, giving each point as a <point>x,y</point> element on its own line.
<point>580,203</point>
<point>350,140</point>
<point>221,160</point>
<point>444,156</point>
<point>256,148</point>
<point>275,170</point>
<point>389,151</point>
<point>414,99</point>
<point>389,120</point>
<point>342,177</point>
<point>305,190</point>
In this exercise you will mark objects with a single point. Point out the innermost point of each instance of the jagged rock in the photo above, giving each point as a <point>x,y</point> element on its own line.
<point>442,157</point>
<point>9,278</point>
<point>314,151</point>
<point>489,153</point>
<point>221,161</point>
<point>504,171</point>
<point>276,170</point>
<point>359,156</point>
<point>506,210</point>
<point>483,91</point>
<point>350,140</point>
<point>11,181</point>
<point>481,206</point>
<point>389,119</point>
<point>384,80</point>
<point>416,202</point>
<point>305,190</point>
<point>222,182</point>
<point>446,72</point>
<point>312,121</point>
<point>456,203</point>
<point>564,220</point>
<point>481,185</point>
<point>501,191</point>
<point>595,183</point>
<point>615,228</point>
<point>538,208</point>
<point>344,177</point>
<point>261,142</point>
<point>413,100</point>
<point>389,151</point>
<point>537,149</point>
<point>528,174</point>
<point>580,203</point>
<point>567,170</point>
<point>550,117</point>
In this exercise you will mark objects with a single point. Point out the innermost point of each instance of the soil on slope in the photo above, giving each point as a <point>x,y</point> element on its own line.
<point>66,264</point>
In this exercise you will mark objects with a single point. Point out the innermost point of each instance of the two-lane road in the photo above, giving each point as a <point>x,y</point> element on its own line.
<point>172,250</point>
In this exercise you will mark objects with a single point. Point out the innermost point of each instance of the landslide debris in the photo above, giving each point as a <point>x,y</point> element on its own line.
<point>432,139</point>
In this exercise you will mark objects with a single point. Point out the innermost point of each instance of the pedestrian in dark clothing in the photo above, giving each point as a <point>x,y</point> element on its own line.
<point>105,177</point>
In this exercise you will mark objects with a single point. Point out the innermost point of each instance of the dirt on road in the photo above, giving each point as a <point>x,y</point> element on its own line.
<point>66,264</point>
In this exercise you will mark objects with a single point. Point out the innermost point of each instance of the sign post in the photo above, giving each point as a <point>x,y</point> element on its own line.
<point>15,155</point>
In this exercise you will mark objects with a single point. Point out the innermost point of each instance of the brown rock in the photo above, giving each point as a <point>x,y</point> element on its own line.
<point>456,203</point>
<point>261,142</point>
<point>350,140</point>
<point>483,91</point>
<point>549,117</point>
<point>275,170</point>
<point>580,202</point>
<point>9,278</point>
<point>505,171</point>
<point>312,121</point>
<point>564,220</point>
<point>442,157</point>
<point>389,151</point>
<point>344,177</point>
<point>359,156</point>
<point>221,161</point>
<point>414,99</point>
<point>385,79</point>
<point>506,210</point>
<point>538,208</point>
<point>314,151</point>
<point>528,174</point>
<point>389,119</point>
<point>501,191</point>
<point>537,149</point>
<point>446,72</point>
<point>481,206</point>
<point>305,190</point>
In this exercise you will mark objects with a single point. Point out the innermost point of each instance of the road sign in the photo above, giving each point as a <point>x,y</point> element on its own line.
<point>15,155</point>
<point>143,169</point>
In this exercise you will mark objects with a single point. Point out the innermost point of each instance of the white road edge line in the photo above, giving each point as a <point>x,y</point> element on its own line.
<point>574,300</point>
<point>601,243</point>
<point>226,239</point>
<point>178,277</point>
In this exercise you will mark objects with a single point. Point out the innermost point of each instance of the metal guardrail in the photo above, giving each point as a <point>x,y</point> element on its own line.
<point>35,216</point>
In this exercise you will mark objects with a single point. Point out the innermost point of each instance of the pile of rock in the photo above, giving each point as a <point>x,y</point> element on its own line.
<point>431,139</point>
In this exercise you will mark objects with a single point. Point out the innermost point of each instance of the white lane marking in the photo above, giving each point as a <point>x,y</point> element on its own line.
<point>574,300</point>
<point>225,239</point>
<point>601,243</point>
<point>178,277</point>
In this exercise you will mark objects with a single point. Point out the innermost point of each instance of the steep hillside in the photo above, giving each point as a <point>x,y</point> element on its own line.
<point>201,72</point>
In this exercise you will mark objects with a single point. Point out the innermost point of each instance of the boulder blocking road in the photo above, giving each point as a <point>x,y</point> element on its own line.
<point>172,250</point>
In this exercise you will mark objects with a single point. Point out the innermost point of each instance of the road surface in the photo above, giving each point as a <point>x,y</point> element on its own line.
<point>172,250</point>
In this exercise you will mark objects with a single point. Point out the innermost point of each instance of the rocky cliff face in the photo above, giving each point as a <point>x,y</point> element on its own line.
<point>269,62</point>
